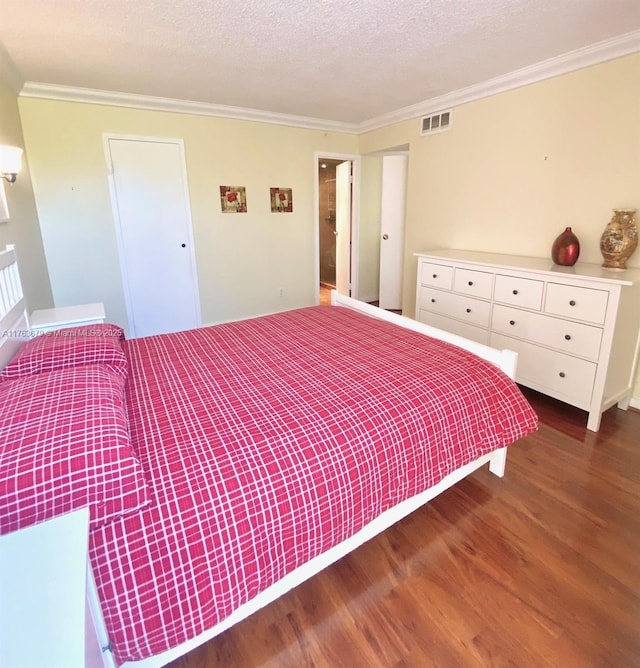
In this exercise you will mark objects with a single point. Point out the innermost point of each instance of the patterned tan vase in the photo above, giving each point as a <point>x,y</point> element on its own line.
<point>619,239</point>
<point>566,249</point>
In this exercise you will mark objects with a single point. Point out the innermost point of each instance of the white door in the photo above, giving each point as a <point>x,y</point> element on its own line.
<point>343,228</point>
<point>153,221</point>
<point>392,220</point>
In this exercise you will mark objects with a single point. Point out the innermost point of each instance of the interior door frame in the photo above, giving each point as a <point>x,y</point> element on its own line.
<point>401,149</point>
<point>355,216</point>
<point>106,136</point>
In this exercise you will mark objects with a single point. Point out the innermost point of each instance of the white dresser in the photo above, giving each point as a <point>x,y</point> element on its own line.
<point>576,329</point>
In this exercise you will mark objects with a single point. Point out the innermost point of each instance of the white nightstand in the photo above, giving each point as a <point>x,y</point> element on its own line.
<point>44,620</point>
<point>48,319</point>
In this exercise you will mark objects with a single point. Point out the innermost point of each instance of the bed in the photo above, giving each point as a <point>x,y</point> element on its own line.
<point>225,465</point>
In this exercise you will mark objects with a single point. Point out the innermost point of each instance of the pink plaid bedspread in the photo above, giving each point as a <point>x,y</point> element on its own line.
<point>267,441</point>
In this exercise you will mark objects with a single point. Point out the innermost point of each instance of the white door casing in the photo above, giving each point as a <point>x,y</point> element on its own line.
<point>149,195</point>
<point>343,228</point>
<point>392,223</point>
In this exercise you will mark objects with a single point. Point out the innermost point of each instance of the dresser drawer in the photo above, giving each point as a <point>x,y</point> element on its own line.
<point>454,326</point>
<point>563,335</point>
<point>525,292</point>
<point>473,283</point>
<point>473,311</point>
<point>436,275</point>
<point>586,304</point>
<point>559,375</point>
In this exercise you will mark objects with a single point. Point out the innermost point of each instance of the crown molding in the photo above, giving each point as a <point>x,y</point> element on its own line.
<point>594,54</point>
<point>149,102</point>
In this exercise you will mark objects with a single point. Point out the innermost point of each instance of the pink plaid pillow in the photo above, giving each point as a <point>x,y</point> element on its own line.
<point>64,444</point>
<point>75,346</point>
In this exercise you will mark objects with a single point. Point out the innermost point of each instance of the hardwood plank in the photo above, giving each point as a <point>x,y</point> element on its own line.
<point>538,569</point>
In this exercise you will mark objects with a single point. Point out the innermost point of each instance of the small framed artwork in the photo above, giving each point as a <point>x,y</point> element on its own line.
<point>4,208</point>
<point>281,200</point>
<point>233,199</point>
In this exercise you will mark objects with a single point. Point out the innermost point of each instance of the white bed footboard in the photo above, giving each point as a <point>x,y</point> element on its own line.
<point>504,359</point>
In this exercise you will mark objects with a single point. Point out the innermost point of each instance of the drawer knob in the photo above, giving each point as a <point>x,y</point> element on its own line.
<point>433,301</point>
<point>561,374</point>
<point>567,337</point>
<point>468,310</point>
<point>434,276</point>
<point>572,302</point>
<point>512,322</point>
<point>470,283</point>
<point>515,292</point>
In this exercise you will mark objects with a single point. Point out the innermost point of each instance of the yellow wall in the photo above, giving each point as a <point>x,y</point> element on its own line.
<point>22,228</point>
<point>517,168</point>
<point>369,228</point>
<point>243,259</point>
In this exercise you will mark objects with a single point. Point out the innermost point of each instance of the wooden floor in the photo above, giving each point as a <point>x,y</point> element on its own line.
<point>541,568</point>
<point>325,294</point>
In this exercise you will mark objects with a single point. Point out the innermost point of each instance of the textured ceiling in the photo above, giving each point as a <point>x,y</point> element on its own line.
<point>329,59</point>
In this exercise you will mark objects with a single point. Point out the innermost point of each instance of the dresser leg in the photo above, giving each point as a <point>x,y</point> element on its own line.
<point>593,423</point>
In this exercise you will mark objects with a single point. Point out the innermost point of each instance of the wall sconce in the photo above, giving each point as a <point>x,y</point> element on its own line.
<point>10,162</point>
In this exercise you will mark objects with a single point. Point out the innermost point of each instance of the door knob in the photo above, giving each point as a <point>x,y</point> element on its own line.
<point>385,236</point>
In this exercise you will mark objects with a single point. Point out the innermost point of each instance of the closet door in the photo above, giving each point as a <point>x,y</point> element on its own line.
<point>392,224</point>
<point>153,224</point>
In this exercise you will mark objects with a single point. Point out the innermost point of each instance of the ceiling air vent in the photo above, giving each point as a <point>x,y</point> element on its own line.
<point>436,123</point>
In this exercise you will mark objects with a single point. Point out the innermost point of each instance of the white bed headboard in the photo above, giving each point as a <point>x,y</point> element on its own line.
<point>14,324</point>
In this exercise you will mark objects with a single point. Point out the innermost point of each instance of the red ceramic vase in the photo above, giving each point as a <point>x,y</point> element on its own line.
<point>566,249</point>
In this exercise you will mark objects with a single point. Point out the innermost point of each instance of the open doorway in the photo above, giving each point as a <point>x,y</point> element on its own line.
<point>327,232</point>
<point>337,206</point>
<point>360,269</point>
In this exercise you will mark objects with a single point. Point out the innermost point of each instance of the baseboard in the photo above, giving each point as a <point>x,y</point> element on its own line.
<point>635,403</point>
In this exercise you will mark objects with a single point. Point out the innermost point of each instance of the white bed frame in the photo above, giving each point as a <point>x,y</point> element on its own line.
<point>14,324</point>
<point>13,321</point>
